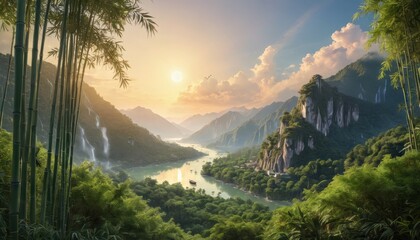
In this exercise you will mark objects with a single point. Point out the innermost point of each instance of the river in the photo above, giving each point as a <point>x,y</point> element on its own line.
<point>184,171</point>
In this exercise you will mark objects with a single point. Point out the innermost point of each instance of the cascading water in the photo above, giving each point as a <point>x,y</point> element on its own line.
<point>106,141</point>
<point>87,147</point>
<point>97,121</point>
<point>103,130</point>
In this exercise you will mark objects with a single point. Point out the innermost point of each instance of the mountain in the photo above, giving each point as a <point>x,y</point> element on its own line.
<point>155,123</point>
<point>197,121</point>
<point>360,80</point>
<point>210,132</point>
<point>104,133</point>
<point>324,124</point>
<point>255,130</point>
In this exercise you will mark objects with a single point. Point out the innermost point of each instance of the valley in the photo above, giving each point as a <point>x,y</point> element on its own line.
<point>209,120</point>
<point>184,171</point>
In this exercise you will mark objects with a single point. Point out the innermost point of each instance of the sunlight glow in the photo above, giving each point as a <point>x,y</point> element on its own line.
<point>176,76</point>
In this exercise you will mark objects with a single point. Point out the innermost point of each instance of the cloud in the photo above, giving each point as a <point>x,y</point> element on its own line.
<point>346,47</point>
<point>291,66</point>
<point>209,91</point>
<point>260,85</point>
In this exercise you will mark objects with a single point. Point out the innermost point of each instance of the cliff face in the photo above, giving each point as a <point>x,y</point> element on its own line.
<point>322,106</point>
<point>324,124</point>
<point>360,80</point>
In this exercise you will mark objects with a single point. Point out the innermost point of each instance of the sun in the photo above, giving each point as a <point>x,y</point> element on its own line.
<point>176,76</point>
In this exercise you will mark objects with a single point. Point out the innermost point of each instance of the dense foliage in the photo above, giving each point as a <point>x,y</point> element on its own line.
<point>100,208</point>
<point>364,203</point>
<point>239,168</point>
<point>373,150</point>
<point>396,28</point>
<point>104,207</point>
<point>98,202</point>
<point>199,213</point>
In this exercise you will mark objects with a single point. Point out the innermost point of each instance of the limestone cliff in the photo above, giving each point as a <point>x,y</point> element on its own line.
<point>324,124</point>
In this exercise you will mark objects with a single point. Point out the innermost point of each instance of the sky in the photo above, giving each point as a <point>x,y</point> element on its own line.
<point>210,55</point>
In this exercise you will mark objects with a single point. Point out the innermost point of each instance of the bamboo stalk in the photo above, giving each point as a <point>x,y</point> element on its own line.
<point>33,97</point>
<point>14,184</point>
<point>47,171</point>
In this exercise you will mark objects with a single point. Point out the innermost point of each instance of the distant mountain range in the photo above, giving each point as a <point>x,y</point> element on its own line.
<point>210,132</point>
<point>358,79</point>
<point>196,122</point>
<point>253,131</point>
<point>155,123</point>
<point>104,133</point>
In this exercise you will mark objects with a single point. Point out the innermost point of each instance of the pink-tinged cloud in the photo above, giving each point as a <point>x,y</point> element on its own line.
<point>261,85</point>
<point>348,45</point>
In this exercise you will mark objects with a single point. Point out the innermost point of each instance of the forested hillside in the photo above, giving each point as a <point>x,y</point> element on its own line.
<point>103,134</point>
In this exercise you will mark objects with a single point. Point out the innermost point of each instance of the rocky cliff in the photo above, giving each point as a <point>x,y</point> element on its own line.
<point>324,124</point>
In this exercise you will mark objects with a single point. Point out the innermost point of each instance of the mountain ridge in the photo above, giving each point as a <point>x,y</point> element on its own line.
<point>104,134</point>
<point>155,123</point>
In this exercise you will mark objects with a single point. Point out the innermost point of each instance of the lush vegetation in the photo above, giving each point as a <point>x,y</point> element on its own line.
<point>199,213</point>
<point>99,208</point>
<point>86,34</point>
<point>364,203</point>
<point>396,28</point>
<point>377,196</point>
<point>239,168</point>
<point>374,150</point>
<point>355,205</point>
<point>114,207</point>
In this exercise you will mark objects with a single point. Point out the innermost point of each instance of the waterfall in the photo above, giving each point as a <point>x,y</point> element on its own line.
<point>87,147</point>
<point>102,129</point>
<point>106,141</point>
<point>104,136</point>
<point>97,121</point>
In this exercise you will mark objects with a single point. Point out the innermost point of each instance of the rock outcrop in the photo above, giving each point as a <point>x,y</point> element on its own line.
<point>324,123</point>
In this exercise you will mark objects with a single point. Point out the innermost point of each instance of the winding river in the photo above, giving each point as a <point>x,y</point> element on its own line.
<point>184,171</point>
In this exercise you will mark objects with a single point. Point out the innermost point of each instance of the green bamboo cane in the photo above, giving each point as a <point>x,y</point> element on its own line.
<point>58,144</point>
<point>66,140</point>
<point>406,105</point>
<point>60,139</point>
<point>47,170</point>
<point>53,111</point>
<point>31,130</point>
<point>24,146</point>
<point>14,184</point>
<point>6,84</point>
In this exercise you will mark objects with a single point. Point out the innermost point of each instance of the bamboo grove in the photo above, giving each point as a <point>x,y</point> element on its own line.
<point>86,31</point>
<point>396,27</point>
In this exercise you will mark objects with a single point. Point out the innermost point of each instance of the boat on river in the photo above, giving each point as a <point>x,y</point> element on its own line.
<point>192,182</point>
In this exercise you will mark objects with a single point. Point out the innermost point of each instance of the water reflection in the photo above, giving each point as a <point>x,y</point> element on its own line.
<point>184,171</point>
